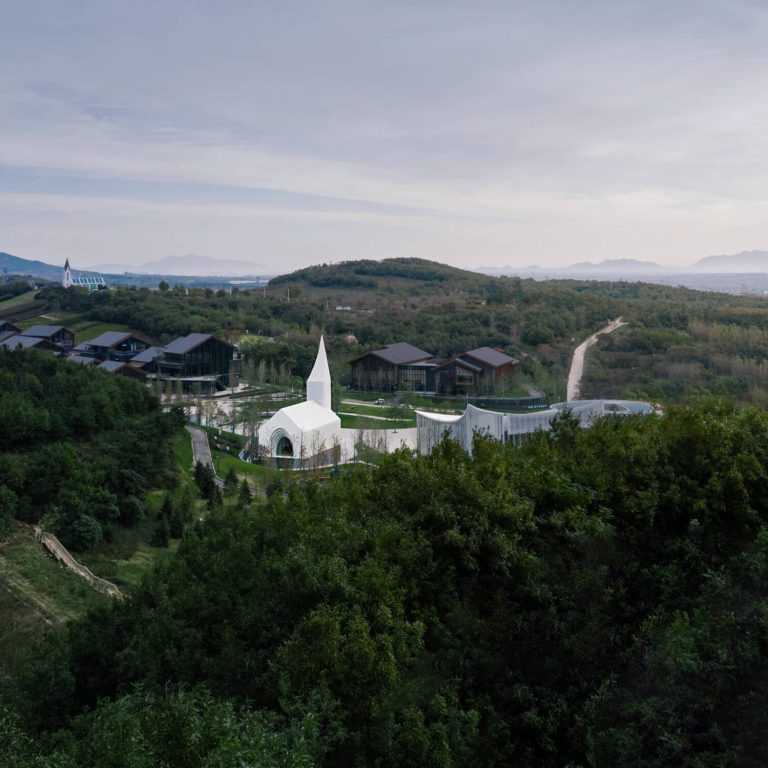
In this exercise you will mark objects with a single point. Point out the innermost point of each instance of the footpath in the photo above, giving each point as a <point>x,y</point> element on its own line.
<point>573,391</point>
<point>51,544</point>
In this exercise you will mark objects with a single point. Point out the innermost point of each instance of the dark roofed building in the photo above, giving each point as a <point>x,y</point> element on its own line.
<point>56,334</point>
<point>480,370</point>
<point>186,344</point>
<point>30,342</point>
<point>199,360</point>
<point>123,369</point>
<point>5,327</point>
<point>7,335</point>
<point>111,366</point>
<point>491,358</point>
<point>81,360</point>
<point>113,345</point>
<point>395,366</point>
<point>146,358</point>
<point>402,353</point>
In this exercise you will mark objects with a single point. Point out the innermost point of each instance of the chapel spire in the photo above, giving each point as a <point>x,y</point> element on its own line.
<point>319,381</point>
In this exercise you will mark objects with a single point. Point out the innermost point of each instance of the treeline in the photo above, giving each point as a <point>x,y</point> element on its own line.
<point>353,274</point>
<point>13,288</point>
<point>596,597</point>
<point>672,365</point>
<point>79,448</point>
<point>676,337</point>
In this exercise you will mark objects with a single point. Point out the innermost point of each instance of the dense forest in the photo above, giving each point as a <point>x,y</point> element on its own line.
<point>678,342</point>
<point>594,598</point>
<point>78,448</point>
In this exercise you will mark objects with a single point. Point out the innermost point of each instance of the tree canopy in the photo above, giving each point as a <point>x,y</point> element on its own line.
<point>595,597</point>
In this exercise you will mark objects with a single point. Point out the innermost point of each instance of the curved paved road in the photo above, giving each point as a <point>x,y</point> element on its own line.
<point>201,451</point>
<point>573,391</point>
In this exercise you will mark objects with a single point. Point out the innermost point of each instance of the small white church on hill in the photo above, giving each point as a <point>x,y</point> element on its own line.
<point>91,282</point>
<point>308,434</point>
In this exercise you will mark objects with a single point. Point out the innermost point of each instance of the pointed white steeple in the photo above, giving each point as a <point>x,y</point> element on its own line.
<point>66,280</point>
<point>319,381</point>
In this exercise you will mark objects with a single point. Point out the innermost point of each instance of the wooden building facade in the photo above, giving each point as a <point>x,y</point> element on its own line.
<point>396,366</point>
<point>479,371</point>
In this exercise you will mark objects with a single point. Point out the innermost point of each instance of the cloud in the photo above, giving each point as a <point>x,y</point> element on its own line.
<point>510,124</point>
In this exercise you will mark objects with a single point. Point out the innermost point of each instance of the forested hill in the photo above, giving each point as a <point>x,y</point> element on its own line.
<point>595,598</point>
<point>78,447</point>
<point>391,275</point>
<point>678,342</point>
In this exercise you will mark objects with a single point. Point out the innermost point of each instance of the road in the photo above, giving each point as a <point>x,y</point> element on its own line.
<point>573,390</point>
<point>201,451</point>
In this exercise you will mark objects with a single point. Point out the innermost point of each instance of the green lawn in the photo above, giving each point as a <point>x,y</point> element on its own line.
<point>129,556</point>
<point>223,462</point>
<point>84,327</point>
<point>22,298</point>
<point>386,411</point>
<point>361,422</point>
<point>184,456</point>
<point>35,593</point>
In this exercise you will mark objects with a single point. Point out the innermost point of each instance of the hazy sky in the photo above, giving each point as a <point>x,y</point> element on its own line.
<point>475,133</point>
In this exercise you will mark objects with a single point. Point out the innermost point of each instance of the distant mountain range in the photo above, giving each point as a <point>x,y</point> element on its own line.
<point>748,262</point>
<point>18,266</point>
<point>186,265</point>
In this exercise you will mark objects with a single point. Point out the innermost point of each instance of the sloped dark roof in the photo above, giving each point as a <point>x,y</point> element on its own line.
<point>43,331</point>
<point>148,355</point>
<point>82,360</point>
<point>112,365</point>
<point>399,353</point>
<point>107,339</point>
<point>461,362</point>
<point>26,342</point>
<point>7,335</point>
<point>187,343</point>
<point>490,356</point>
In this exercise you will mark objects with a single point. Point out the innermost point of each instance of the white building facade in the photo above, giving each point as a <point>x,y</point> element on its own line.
<point>306,435</point>
<point>431,428</point>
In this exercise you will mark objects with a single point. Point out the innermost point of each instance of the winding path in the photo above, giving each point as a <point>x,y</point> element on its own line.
<point>573,391</point>
<point>201,451</point>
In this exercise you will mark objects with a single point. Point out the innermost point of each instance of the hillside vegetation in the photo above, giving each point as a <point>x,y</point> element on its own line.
<point>678,343</point>
<point>596,597</point>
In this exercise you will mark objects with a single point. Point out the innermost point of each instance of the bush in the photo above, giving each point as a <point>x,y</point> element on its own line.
<point>82,533</point>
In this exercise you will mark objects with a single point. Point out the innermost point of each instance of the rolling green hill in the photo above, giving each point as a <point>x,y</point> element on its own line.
<point>390,275</point>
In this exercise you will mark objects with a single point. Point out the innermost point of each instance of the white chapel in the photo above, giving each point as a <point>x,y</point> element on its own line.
<point>309,433</point>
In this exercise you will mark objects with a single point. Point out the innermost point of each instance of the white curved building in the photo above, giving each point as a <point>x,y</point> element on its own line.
<point>306,434</point>
<point>513,427</point>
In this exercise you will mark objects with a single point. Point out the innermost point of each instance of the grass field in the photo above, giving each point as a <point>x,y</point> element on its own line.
<point>22,298</point>
<point>84,327</point>
<point>223,461</point>
<point>404,413</point>
<point>184,456</point>
<point>35,592</point>
<point>129,556</point>
<point>361,422</point>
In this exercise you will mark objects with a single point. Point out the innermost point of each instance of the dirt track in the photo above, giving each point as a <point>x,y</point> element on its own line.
<point>573,391</point>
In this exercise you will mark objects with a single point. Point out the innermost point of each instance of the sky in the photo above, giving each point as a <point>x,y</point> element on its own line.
<point>475,133</point>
